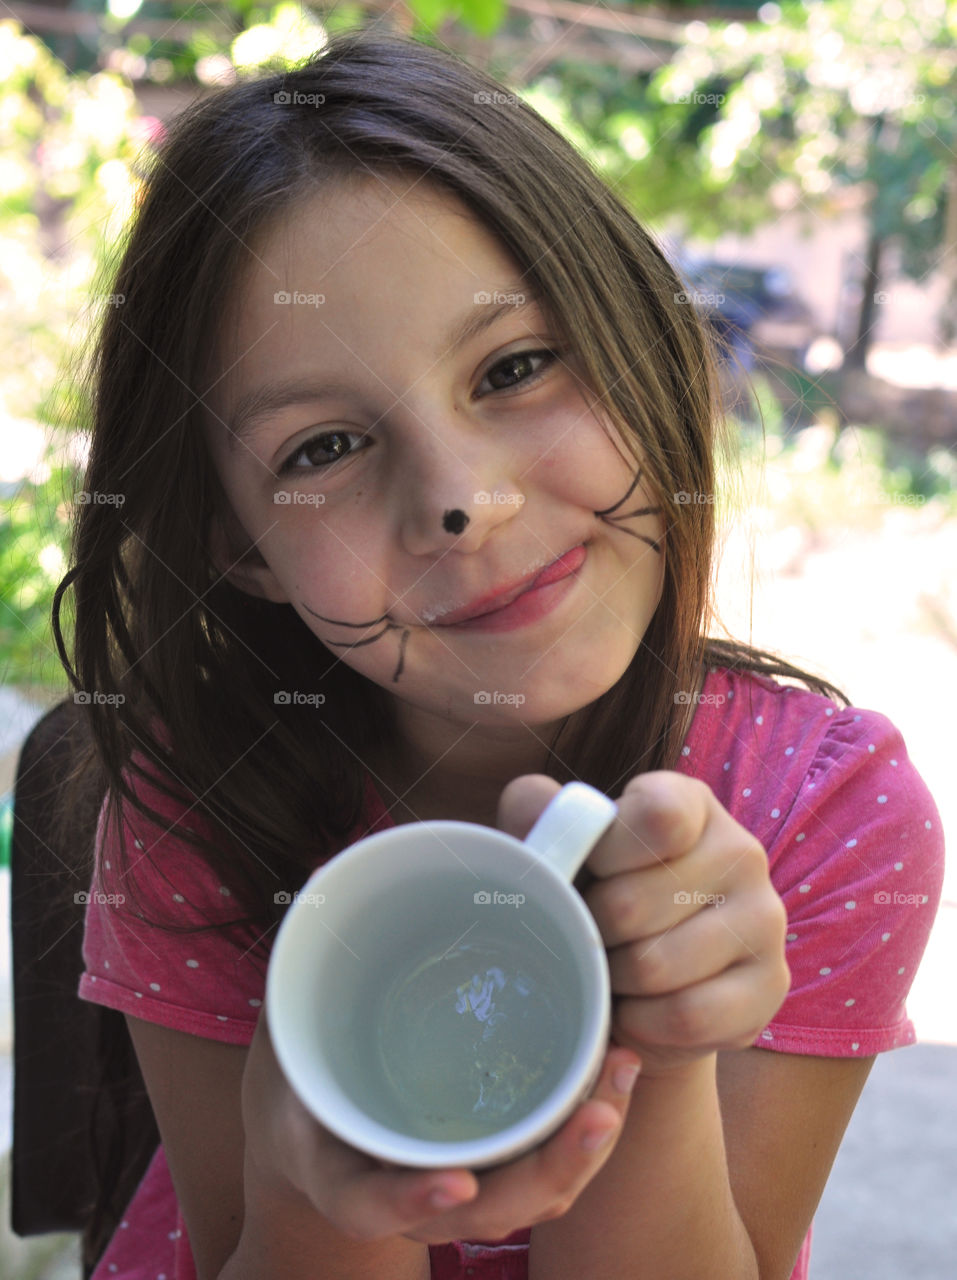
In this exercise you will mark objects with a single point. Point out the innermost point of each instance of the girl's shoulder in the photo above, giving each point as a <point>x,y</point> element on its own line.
<point>148,838</point>
<point>779,731</point>
<point>164,939</point>
<point>855,850</point>
<point>769,751</point>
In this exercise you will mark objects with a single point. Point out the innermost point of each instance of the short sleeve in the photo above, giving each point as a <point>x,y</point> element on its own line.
<point>142,950</point>
<point>858,860</point>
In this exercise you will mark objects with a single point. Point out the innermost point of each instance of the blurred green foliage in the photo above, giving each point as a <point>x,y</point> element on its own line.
<point>34,528</point>
<point>69,147</point>
<point>483,16</point>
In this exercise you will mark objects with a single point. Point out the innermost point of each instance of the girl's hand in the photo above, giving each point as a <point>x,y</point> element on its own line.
<point>695,930</point>
<point>290,1156</point>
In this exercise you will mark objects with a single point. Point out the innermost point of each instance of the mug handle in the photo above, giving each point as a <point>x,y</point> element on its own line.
<point>569,826</point>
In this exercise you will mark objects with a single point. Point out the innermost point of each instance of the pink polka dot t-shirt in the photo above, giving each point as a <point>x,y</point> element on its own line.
<point>855,852</point>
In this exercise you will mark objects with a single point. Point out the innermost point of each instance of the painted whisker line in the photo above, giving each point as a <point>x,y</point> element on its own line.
<point>337,622</point>
<point>357,644</point>
<point>642,511</point>
<point>615,521</point>
<point>642,537</point>
<point>631,489</point>
<point>403,641</point>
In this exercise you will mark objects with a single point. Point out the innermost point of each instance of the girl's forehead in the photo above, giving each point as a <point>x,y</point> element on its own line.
<point>373,231</point>
<point>352,234</point>
<point>356,207</point>
<point>349,253</point>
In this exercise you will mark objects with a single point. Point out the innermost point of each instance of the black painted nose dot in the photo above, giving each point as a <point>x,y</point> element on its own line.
<point>454,521</point>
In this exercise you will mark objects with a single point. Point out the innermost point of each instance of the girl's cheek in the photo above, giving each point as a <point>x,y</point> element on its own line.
<point>581,463</point>
<point>333,574</point>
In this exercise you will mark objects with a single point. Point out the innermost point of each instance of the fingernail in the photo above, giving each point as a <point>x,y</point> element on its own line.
<point>624,1078</point>
<point>443,1199</point>
<point>597,1138</point>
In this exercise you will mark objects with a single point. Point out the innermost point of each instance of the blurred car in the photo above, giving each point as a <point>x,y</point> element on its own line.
<point>755,310</point>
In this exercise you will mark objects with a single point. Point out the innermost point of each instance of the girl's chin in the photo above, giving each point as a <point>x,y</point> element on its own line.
<point>490,708</point>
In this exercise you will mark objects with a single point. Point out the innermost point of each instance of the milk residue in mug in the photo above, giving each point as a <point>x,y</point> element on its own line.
<point>472,1040</point>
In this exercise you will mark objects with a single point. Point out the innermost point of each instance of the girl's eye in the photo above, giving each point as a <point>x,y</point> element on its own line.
<point>518,369</point>
<point>320,451</point>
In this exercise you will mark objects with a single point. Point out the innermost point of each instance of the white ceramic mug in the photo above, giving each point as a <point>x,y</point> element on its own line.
<point>438,994</point>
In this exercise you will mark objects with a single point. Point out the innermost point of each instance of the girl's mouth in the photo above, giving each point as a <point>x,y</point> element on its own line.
<point>543,594</point>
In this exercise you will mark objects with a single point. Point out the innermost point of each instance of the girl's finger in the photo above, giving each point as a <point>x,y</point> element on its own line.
<point>586,1140</point>
<point>661,816</point>
<point>727,1011</point>
<point>650,900</point>
<point>637,904</point>
<point>697,949</point>
<point>385,1202</point>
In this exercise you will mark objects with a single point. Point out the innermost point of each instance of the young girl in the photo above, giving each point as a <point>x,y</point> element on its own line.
<point>415,439</point>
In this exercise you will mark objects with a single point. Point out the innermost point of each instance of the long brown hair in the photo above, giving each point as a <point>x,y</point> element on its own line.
<point>180,665</point>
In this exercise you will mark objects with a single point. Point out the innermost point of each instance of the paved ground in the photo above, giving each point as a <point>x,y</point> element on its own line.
<point>889,1211</point>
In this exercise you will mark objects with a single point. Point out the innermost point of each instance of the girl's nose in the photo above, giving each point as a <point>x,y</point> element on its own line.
<point>453,487</point>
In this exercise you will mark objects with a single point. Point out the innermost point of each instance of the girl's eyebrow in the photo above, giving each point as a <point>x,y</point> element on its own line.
<point>260,404</point>
<point>257,406</point>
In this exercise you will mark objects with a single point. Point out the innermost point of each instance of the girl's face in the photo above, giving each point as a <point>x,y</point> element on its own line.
<point>400,436</point>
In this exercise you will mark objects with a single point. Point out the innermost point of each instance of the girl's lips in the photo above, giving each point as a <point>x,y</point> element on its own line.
<point>543,594</point>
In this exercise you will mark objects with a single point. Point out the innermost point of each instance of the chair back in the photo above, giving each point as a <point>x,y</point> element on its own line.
<point>83,1127</point>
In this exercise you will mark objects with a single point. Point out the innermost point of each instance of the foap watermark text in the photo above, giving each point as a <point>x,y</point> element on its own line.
<point>294,498</point>
<point>483,698</point>
<point>684,897</point>
<point>495,898</point>
<point>293,298</point>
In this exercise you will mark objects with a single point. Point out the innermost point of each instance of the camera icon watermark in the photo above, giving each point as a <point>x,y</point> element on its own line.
<point>495,898</point>
<point>283,899</point>
<point>484,699</point>
<point>885,898</point>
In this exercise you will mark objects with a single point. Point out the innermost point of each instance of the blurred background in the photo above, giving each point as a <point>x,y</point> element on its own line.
<point>798,163</point>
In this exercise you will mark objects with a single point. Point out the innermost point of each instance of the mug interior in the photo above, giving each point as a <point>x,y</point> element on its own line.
<point>438,987</point>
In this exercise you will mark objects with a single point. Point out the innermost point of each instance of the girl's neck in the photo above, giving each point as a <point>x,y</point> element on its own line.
<point>462,781</point>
